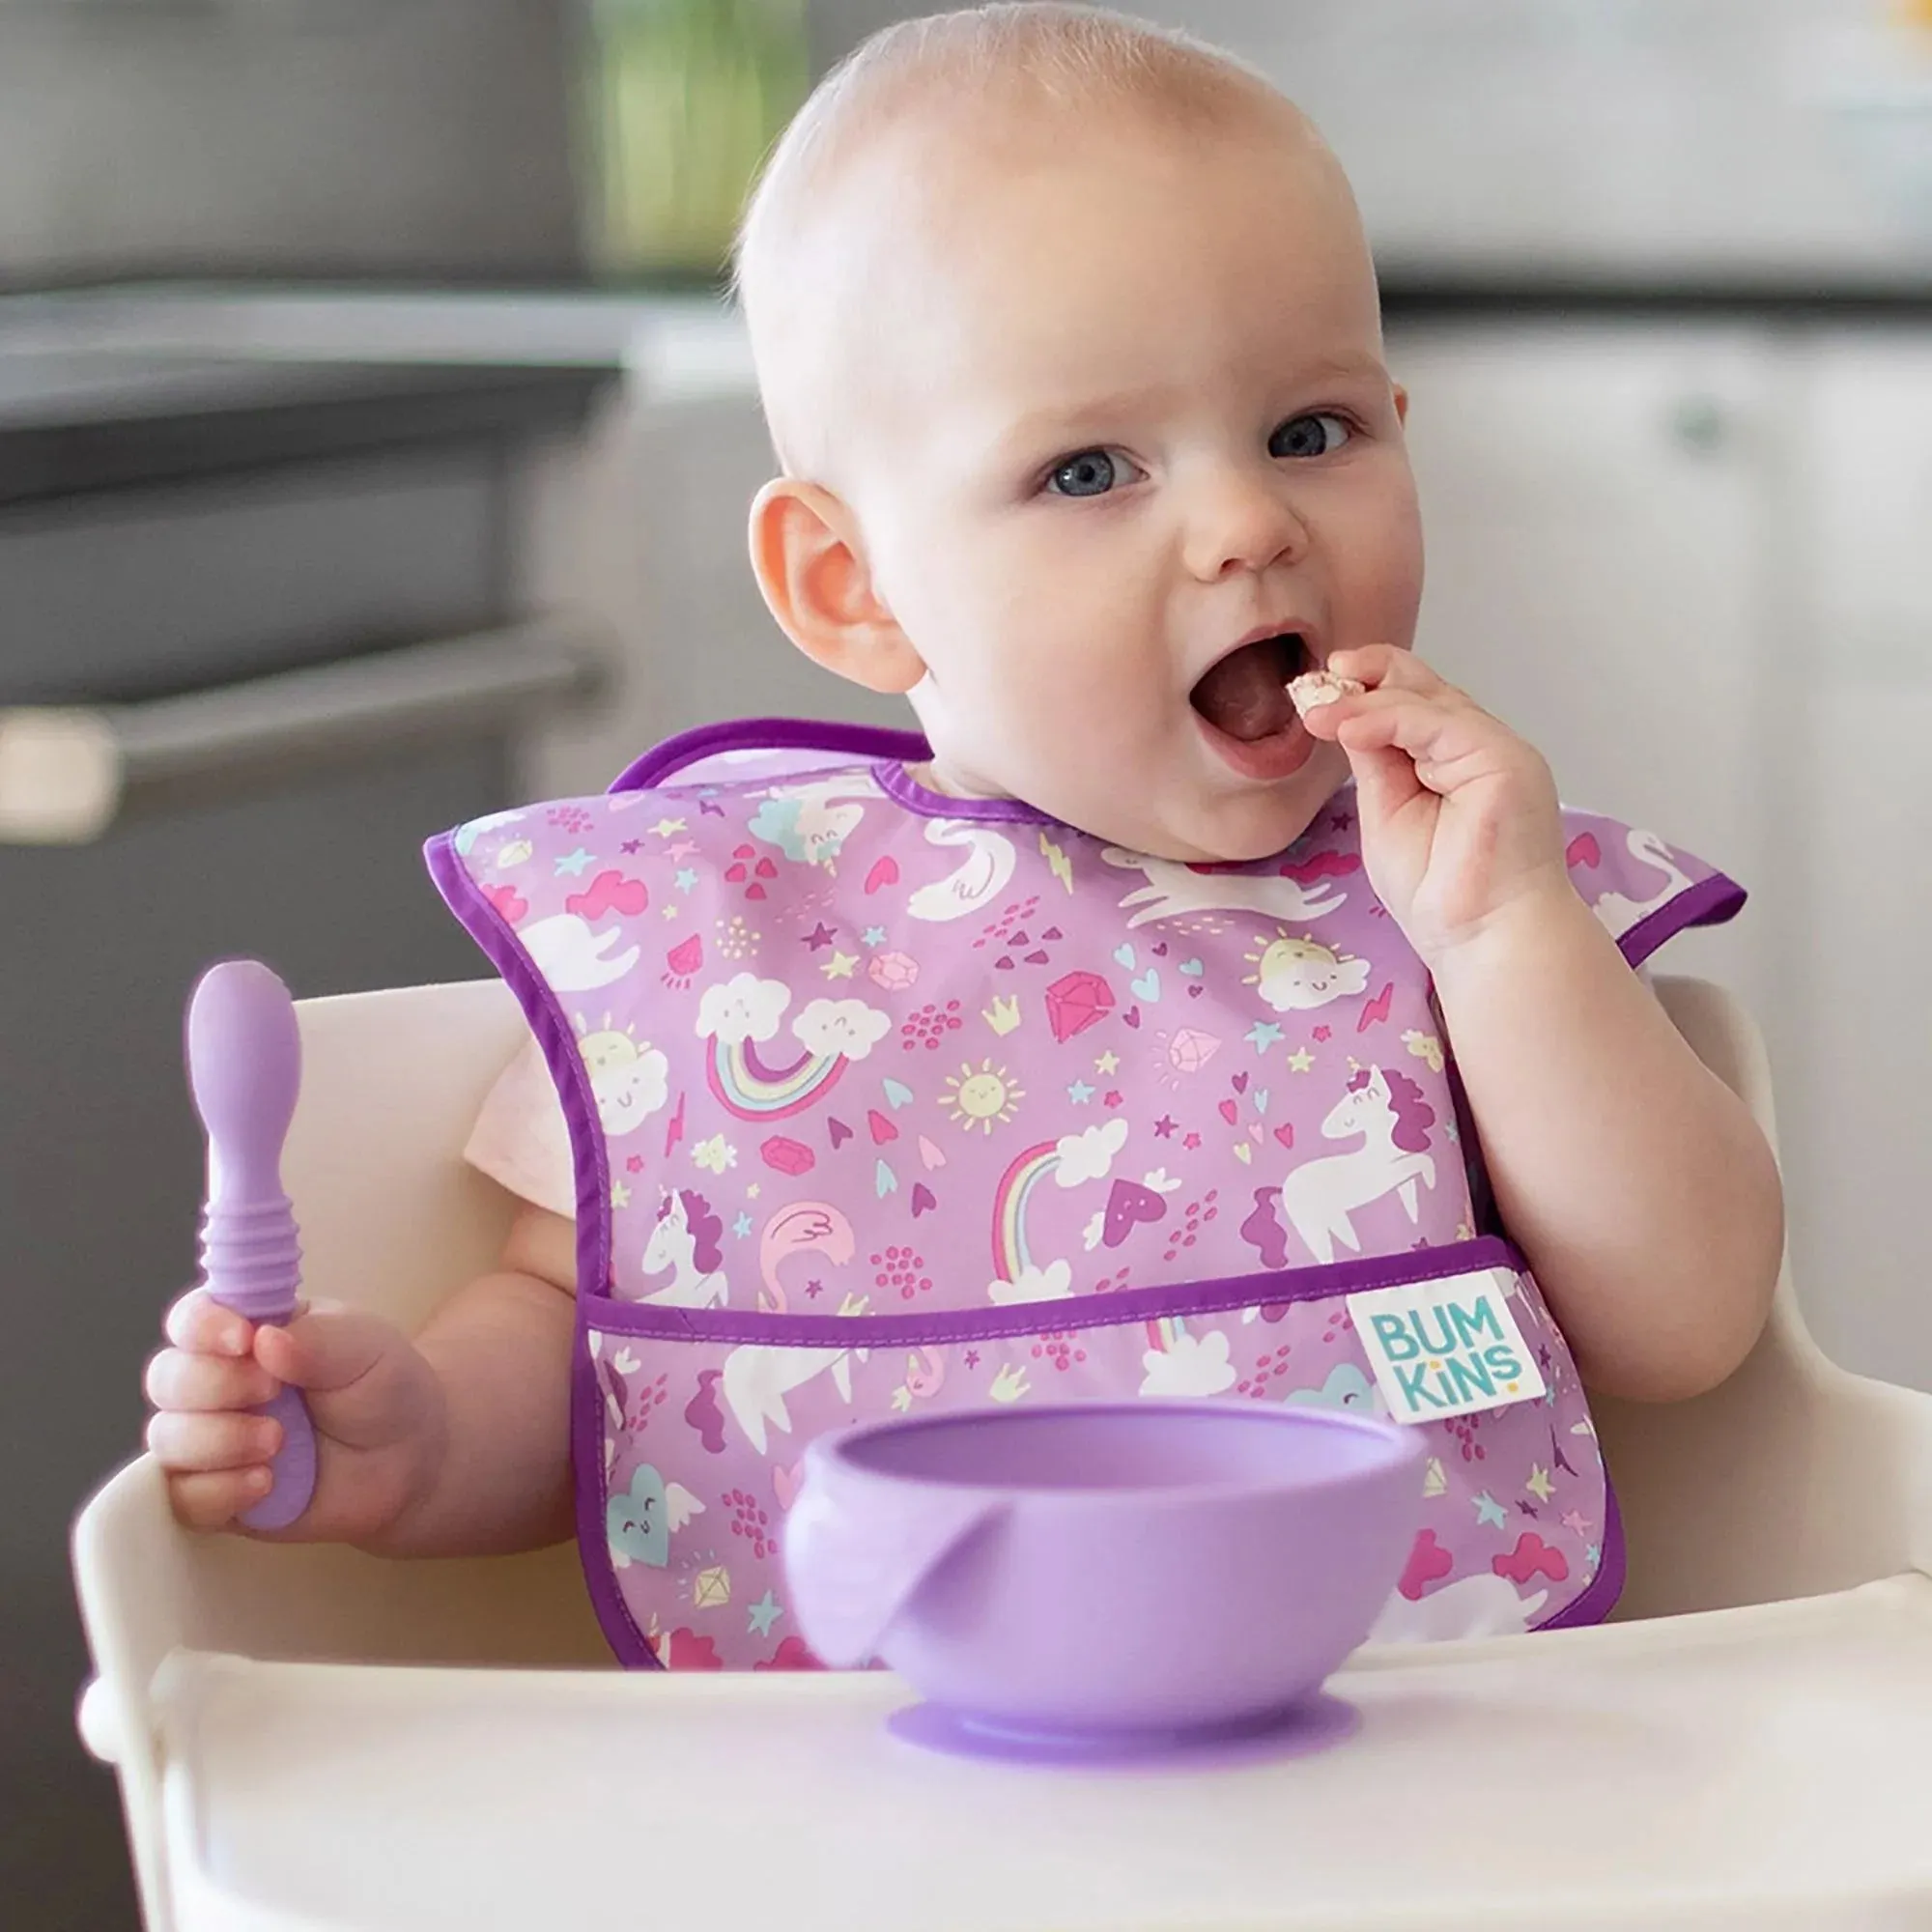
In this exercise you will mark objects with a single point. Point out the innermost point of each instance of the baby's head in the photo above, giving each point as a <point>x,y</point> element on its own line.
<point>1068,339</point>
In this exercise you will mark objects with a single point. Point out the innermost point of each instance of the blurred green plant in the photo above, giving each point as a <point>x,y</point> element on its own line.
<point>680,100</point>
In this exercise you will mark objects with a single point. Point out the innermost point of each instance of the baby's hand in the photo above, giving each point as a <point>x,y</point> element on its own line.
<point>375,1404</point>
<point>1458,815</point>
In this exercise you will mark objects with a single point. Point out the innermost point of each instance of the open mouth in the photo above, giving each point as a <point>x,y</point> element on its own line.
<point>1245,694</point>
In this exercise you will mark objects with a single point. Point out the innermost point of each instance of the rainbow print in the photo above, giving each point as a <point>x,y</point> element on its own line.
<point>754,1092</point>
<point>1165,1332</point>
<point>1010,1253</point>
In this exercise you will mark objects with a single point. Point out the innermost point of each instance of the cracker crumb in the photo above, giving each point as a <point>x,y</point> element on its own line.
<point>1313,688</point>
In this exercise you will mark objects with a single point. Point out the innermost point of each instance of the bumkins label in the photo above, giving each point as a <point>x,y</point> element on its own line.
<point>1446,1347</point>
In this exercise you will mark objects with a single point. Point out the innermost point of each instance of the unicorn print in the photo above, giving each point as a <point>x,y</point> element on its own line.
<point>1388,1109</point>
<point>687,1240</point>
<point>981,878</point>
<point>757,1379</point>
<point>1619,913</point>
<point>811,821</point>
<point>1173,889</point>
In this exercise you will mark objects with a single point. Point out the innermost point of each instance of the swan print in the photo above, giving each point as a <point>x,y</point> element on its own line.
<point>981,878</point>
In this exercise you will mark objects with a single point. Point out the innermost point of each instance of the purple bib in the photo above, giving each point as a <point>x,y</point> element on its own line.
<point>882,1101</point>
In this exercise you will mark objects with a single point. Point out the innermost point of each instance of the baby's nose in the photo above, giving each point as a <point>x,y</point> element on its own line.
<point>1242,523</point>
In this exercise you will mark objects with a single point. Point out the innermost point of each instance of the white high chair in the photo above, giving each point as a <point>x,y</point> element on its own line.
<point>310,1737</point>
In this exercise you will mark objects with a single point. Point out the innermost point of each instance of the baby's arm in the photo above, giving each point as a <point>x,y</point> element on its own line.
<point>1636,1184</point>
<point>457,1443</point>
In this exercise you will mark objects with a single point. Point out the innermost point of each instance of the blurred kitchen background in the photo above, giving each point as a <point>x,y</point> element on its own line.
<point>373,452</point>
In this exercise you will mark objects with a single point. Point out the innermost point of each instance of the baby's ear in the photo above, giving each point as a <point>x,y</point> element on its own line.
<point>810,563</point>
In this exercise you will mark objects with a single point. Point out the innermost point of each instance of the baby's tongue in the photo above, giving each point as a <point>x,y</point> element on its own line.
<point>1245,694</point>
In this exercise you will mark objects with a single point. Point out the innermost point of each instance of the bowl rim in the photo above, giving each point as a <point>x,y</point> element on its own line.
<point>1402,1443</point>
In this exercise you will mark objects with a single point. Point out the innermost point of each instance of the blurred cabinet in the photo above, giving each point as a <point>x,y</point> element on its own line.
<point>1596,502</point>
<point>1853,763</point>
<point>1694,564</point>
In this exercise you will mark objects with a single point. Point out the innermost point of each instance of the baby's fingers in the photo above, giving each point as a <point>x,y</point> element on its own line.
<point>201,1443</point>
<point>200,1324</point>
<point>1386,668</point>
<point>213,1500</point>
<point>179,1379</point>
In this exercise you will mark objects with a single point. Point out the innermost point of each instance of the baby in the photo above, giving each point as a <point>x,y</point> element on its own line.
<point>1068,340</point>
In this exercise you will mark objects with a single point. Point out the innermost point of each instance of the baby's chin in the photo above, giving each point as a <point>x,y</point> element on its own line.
<point>1221,829</point>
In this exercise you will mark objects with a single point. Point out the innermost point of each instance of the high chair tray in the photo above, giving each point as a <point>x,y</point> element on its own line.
<point>1763,1768</point>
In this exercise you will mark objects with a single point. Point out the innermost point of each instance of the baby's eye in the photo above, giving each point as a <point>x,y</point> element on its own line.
<point>1309,435</point>
<point>1091,473</point>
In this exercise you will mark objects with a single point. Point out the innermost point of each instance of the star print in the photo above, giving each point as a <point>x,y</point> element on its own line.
<point>1262,1035</point>
<point>1191,1142</point>
<point>1342,820</point>
<point>1538,1484</point>
<point>765,1612</point>
<point>819,936</point>
<point>972,1358</point>
<point>1490,1511</point>
<point>573,863</point>
<point>621,1195</point>
<point>682,849</point>
<point>1107,1062</point>
<point>742,1226</point>
<point>664,827</point>
<point>840,966</point>
<point>1163,1128</point>
<point>813,1290</point>
<point>874,935</point>
<point>670,912</point>
<point>1302,1060</point>
<point>1111,1097</point>
<point>1576,1523</point>
<point>1080,1093</point>
<point>751,1192</point>
<point>1319,1032</point>
<point>706,807</point>
<point>633,845</point>
<point>686,880</point>
<point>636,1164</point>
<point>1591,1552</point>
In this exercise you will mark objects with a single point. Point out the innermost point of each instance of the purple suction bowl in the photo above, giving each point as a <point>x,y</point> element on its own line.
<point>1094,1568</point>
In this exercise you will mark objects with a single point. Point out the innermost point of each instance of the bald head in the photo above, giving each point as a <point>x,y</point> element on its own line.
<point>862,189</point>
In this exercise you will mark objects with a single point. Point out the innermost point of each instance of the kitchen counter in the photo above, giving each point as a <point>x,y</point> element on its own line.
<point>79,419</point>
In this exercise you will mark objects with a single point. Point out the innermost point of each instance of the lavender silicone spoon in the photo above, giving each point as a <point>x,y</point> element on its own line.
<point>245,1071</point>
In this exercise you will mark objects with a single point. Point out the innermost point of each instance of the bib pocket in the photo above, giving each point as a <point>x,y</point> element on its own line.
<point>689,1426</point>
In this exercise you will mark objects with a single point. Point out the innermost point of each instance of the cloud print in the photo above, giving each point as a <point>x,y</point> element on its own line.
<point>1051,1283</point>
<point>1191,1365</point>
<point>744,1008</point>
<point>832,1026</point>
<point>1088,1156</point>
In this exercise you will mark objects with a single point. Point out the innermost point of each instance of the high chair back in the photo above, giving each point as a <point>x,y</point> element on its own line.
<point>1793,1478</point>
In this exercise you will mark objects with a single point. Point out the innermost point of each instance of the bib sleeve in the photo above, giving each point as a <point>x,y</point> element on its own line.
<point>1642,890</point>
<point>520,1139</point>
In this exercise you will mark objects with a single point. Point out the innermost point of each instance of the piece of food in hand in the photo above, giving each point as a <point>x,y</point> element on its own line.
<point>1313,688</point>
